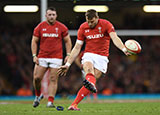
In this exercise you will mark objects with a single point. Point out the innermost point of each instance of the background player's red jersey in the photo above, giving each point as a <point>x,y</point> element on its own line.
<point>97,39</point>
<point>50,39</point>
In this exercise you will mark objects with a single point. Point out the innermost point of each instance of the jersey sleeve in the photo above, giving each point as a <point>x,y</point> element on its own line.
<point>110,27</point>
<point>37,31</point>
<point>64,31</point>
<point>80,34</point>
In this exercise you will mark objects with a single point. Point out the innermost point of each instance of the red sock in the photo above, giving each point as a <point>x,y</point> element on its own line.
<point>51,99</point>
<point>90,77</point>
<point>84,91</point>
<point>38,92</point>
<point>81,94</point>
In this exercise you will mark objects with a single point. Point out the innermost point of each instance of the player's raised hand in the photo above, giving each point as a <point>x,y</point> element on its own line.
<point>62,70</point>
<point>127,53</point>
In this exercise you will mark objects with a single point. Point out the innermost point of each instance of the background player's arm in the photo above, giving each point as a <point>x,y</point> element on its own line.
<point>74,53</point>
<point>34,47</point>
<point>118,42</point>
<point>68,44</point>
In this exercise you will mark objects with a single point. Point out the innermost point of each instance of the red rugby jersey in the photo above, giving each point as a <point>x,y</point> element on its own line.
<point>50,39</point>
<point>97,39</point>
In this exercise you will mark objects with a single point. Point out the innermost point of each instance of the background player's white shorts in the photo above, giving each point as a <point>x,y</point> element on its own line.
<point>99,62</point>
<point>50,62</point>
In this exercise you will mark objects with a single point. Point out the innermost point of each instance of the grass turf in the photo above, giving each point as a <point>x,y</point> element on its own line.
<point>100,107</point>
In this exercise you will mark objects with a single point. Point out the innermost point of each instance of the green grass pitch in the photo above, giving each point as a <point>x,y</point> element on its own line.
<point>88,107</point>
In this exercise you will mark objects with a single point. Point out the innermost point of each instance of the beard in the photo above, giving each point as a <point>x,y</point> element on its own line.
<point>92,26</point>
<point>51,21</point>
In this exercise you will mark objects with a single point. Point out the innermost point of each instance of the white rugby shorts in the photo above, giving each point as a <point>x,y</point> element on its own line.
<point>50,62</point>
<point>99,62</point>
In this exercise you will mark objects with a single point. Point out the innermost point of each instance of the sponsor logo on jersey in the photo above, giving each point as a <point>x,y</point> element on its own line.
<point>95,36</point>
<point>50,35</point>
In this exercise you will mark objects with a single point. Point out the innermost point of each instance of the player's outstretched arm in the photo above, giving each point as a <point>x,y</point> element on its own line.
<point>74,53</point>
<point>118,43</point>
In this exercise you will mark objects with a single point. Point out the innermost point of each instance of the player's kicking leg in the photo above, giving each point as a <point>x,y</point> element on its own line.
<point>74,107</point>
<point>90,86</point>
<point>89,82</point>
<point>83,92</point>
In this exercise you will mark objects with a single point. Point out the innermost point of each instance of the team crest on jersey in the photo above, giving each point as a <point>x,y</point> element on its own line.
<point>56,30</point>
<point>99,29</point>
<point>86,30</point>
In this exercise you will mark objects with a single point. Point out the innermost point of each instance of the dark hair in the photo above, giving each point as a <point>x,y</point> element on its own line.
<point>51,8</point>
<point>91,13</point>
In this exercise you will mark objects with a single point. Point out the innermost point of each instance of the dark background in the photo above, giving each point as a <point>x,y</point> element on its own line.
<point>134,74</point>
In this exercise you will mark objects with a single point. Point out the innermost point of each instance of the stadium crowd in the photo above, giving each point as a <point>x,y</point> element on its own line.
<point>133,74</point>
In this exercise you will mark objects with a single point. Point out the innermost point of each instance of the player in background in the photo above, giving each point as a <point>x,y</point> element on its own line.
<point>96,33</point>
<point>49,34</point>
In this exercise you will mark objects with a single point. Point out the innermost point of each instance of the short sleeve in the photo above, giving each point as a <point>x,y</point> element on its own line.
<point>37,31</point>
<point>80,34</point>
<point>110,27</point>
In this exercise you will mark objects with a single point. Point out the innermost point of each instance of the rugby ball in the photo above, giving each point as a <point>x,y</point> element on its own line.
<point>133,46</point>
